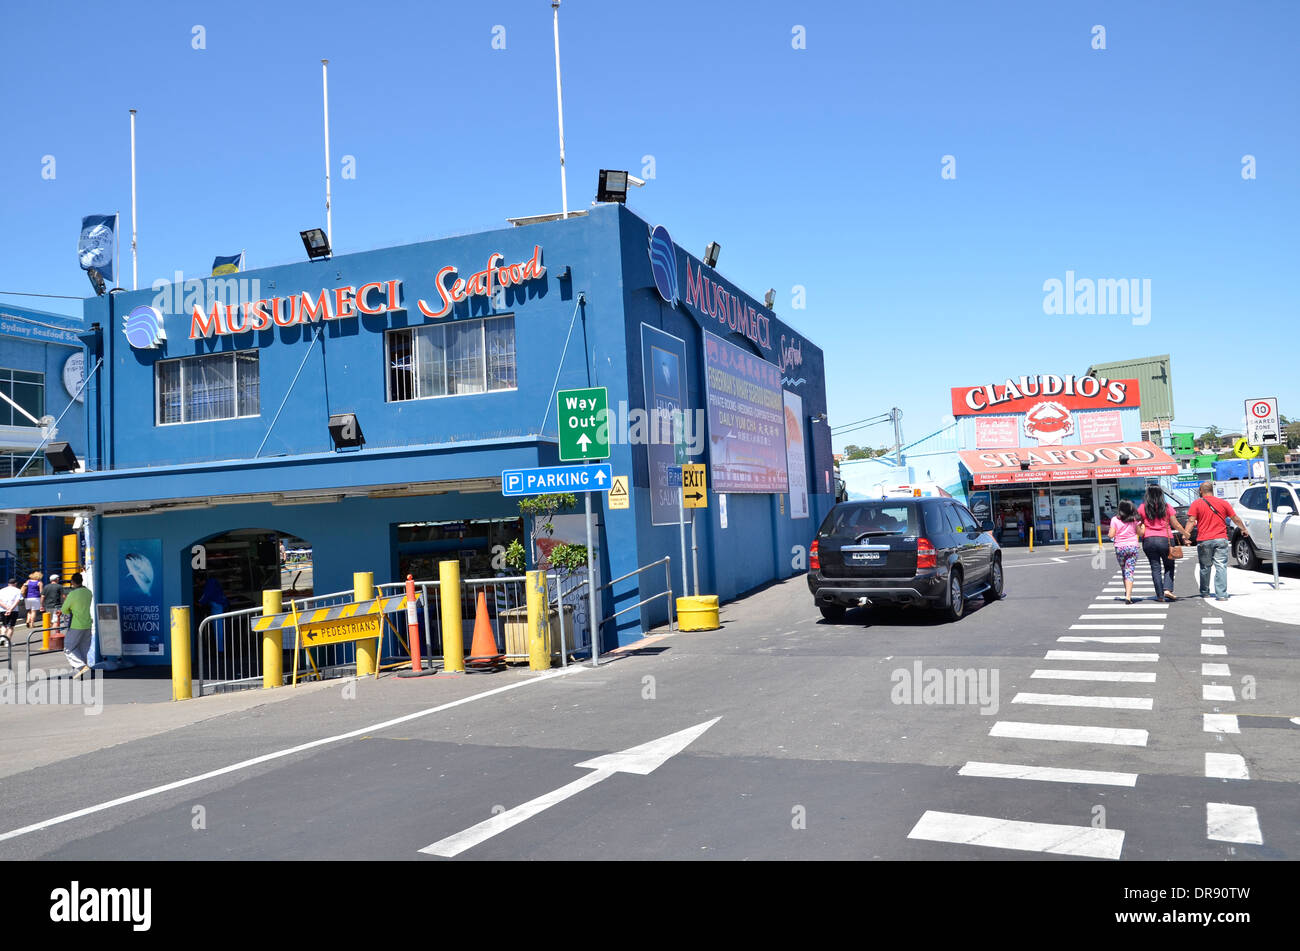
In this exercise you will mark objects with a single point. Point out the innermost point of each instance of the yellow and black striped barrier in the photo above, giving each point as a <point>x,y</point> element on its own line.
<point>332,613</point>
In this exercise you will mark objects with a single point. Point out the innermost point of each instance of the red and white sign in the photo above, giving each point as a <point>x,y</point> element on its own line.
<point>1263,423</point>
<point>1068,463</point>
<point>1049,422</point>
<point>371,300</point>
<point>1000,432</point>
<point>1100,427</point>
<point>1021,394</point>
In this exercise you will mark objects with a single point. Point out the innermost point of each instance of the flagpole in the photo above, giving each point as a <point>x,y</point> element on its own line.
<point>135,274</point>
<point>325,87</point>
<point>559,105</point>
<point>117,247</point>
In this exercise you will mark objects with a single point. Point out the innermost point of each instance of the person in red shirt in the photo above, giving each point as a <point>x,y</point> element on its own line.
<point>1210,516</point>
<point>1159,522</point>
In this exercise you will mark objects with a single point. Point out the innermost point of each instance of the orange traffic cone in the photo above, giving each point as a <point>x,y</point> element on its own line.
<point>485,656</point>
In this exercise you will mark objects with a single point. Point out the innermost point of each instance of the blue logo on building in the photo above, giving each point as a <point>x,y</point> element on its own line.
<point>663,263</point>
<point>144,327</point>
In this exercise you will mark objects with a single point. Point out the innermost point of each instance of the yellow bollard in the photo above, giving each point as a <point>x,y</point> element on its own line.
<point>1098,538</point>
<point>70,559</point>
<point>539,631</point>
<point>1031,538</point>
<point>182,688</point>
<point>453,627</point>
<point>363,589</point>
<point>45,630</point>
<point>1067,539</point>
<point>272,643</point>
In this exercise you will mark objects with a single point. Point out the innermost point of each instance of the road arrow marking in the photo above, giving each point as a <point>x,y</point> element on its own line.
<point>639,760</point>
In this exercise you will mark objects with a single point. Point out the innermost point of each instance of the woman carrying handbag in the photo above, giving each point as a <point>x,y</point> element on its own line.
<point>1159,522</point>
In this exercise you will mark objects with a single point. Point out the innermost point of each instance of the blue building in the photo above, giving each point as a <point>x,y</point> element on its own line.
<point>41,371</point>
<point>209,418</point>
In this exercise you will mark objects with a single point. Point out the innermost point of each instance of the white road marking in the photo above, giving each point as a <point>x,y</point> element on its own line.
<point>1214,692</point>
<point>1114,676</point>
<point>1117,627</point>
<point>1220,723</point>
<point>1021,836</point>
<point>1225,766</point>
<point>279,754</point>
<point>1225,822</point>
<point>1211,620</point>
<point>640,760</point>
<point>1126,617</point>
<point>1215,670</point>
<point>1101,655</point>
<point>1069,733</point>
<point>1048,774</point>
<point>1211,633</point>
<point>1099,639</point>
<point>1059,560</point>
<point>1069,700</point>
<point>1118,605</point>
<point>1213,649</point>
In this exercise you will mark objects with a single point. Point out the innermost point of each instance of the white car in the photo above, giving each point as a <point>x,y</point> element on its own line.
<point>1252,507</point>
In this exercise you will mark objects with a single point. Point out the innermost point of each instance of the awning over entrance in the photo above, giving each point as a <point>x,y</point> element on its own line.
<point>1067,463</point>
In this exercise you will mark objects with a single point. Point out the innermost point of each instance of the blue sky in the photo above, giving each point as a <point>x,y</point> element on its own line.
<point>819,167</point>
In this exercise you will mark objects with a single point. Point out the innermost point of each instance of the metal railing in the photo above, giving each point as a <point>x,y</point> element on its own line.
<point>667,562</point>
<point>7,643</point>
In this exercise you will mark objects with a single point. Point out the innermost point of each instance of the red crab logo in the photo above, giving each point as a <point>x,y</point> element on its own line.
<point>1049,423</point>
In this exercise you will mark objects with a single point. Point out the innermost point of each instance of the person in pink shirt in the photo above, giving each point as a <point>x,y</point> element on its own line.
<point>1159,522</point>
<point>1125,529</point>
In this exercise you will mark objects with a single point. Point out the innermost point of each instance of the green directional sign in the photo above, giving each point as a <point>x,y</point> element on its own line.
<point>583,433</point>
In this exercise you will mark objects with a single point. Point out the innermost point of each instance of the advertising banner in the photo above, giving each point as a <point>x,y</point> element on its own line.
<point>1100,427</point>
<point>1000,432</point>
<point>664,372</point>
<point>1069,514</point>
<point>139,587</point>
<point>795,453</point>
<point>1021,394</point>
<point>1067,463</point>
<point>746,420</point>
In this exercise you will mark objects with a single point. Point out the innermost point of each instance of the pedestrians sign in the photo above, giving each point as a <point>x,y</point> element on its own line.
<point>553,479</point>
<point>618,493</point>
<point>1263,423</point>
<point>1242,449</point>
<point>584,433</point>
<point>695,489</point>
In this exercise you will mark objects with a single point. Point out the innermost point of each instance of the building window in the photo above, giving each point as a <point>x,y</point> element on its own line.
<point>27,390</point>
<point>11,464</point>
<point>207,388</point>
<point>453,359</point>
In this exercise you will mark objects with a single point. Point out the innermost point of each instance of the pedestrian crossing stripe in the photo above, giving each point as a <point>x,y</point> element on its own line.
<point>333,613</point>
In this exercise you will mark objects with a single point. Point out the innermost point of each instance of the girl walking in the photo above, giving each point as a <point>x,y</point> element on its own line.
<point>1159,522</point>
<point>1125,529</point>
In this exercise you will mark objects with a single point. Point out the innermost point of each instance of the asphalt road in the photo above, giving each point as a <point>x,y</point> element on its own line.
<point>821,747</point>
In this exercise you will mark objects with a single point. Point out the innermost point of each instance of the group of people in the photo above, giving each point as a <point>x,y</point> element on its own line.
<point>1153,529</point>
<point>37,595</point>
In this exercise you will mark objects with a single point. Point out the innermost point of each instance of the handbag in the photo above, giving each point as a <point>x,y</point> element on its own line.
<point>1176,552</point>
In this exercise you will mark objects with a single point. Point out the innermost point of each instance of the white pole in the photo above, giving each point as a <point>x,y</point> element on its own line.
<point>325,88</point>
<point>135,272</point>
<point>559,105</point>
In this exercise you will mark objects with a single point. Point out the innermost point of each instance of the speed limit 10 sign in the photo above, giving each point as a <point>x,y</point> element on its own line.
<point>1263,422</point>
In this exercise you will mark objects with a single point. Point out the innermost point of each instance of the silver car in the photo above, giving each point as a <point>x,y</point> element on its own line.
<point>1252,506</point>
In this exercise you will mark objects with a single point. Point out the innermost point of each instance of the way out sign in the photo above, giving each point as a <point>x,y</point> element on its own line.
<point>695,488</point>
<point>583,433</point>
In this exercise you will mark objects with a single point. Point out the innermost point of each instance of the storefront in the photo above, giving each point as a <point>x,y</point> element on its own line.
<point>211,445</point>
<point>1055,454</point>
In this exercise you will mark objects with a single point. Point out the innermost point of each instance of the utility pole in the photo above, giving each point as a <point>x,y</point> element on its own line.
<point>896,415</point>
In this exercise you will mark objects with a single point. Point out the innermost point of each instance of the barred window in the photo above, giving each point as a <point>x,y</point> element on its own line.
<point>211,387</point>
<point>453,359</point>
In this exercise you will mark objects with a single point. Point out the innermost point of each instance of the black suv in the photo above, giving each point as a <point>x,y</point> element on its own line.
<point>905,551</point>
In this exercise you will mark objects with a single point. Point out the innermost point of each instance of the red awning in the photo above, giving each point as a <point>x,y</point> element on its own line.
<point>1067,463</point>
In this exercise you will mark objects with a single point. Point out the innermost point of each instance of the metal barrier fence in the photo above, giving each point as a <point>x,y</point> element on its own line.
<point>667,562</point>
